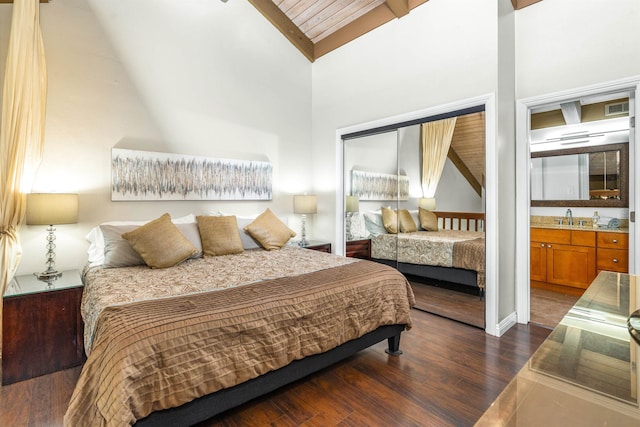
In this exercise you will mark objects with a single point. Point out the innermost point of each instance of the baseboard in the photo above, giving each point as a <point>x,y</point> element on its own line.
<point>507,323</point>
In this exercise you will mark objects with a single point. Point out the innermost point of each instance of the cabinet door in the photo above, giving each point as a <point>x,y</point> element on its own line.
<point>538,263</point>
<point>571,265</point>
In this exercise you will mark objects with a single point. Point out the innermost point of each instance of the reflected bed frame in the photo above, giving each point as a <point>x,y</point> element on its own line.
<point>447,276</point>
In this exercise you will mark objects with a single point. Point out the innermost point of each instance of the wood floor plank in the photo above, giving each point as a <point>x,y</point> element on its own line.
<point>448,375</point>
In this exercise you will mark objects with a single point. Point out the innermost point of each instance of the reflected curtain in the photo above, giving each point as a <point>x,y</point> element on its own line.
<point>436,140</point>
<point>22,128</point>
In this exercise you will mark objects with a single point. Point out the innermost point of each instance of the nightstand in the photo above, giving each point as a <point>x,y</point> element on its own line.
<point>317,245</point>
<point>42,329</point>
<point>359,248</point>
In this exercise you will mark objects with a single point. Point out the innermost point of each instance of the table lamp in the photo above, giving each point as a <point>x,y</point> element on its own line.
<point>49,209</point>
<point>305,205</point>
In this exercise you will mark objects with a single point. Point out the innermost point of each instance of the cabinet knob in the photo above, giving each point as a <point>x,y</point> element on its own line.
<point>542,245</point>
<point>615,240</point>
<point>548,246</point>
<point>615,260</point>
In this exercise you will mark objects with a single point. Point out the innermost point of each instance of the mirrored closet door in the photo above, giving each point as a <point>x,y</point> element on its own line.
<point>388,219</point>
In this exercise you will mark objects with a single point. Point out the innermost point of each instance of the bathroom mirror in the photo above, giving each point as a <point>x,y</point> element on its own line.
<point>595,176</point>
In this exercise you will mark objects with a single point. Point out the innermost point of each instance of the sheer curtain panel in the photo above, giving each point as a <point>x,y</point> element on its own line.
<point>21,129</point>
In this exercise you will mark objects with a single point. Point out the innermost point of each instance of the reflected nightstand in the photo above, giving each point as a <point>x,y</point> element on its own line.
<point>42,329</point>
<point>317,245</point>
<point>359,248</point>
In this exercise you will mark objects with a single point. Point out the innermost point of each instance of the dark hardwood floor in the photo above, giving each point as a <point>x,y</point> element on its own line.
<point>463,307</point>
<point>549,306</point>
<point>448,375</point>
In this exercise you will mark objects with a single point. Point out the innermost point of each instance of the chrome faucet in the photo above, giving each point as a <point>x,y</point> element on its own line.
<point>570,216</point>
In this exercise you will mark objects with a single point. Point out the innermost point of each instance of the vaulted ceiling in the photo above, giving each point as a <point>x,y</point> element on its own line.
<point>316,27</point>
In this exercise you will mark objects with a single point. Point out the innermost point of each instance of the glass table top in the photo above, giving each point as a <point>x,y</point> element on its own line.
<point>29,284</point>
<point>585,372</point>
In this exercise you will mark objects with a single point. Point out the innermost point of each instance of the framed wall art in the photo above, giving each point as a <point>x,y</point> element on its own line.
<point>379,186</point>
<point>147,175</point>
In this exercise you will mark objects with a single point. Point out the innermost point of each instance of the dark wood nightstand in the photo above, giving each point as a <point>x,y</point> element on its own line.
<point>318,246</point>
<point>42,329</point>
<point>359,248</point>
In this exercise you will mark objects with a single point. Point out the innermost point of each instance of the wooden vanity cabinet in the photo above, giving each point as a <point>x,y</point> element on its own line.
<point>613,252</point>
<point>563,257</point>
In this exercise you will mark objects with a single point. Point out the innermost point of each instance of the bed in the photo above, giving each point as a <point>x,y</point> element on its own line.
<point>455,253</point>
<point>178,345</point>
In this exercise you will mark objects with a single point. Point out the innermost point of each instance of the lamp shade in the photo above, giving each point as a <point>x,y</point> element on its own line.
<point>305,204</point>
<point>352,204</point>
<point>52,208</point>
<point>428,203</point>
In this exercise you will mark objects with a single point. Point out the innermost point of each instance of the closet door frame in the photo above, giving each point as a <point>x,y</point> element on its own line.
<point>492,324</point>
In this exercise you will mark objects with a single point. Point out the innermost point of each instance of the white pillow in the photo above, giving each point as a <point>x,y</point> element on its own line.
<point>356,228</point>
<point>416,217</point>
<point>96,239</point>
<point>373,223</point>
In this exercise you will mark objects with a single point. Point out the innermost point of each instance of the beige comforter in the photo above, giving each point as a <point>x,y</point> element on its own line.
<point>163,352</point>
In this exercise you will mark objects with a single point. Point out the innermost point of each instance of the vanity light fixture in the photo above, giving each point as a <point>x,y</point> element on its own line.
<point>49,209</point>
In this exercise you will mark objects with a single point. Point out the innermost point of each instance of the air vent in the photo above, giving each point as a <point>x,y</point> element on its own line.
<point>616,108</point>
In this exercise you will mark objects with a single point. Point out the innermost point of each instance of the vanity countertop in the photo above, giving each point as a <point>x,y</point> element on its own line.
<point>580,228</point>
<point>585,372</point>
<point>551,222</point>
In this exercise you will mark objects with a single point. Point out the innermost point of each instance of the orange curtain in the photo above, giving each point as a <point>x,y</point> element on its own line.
<point>22,128</point>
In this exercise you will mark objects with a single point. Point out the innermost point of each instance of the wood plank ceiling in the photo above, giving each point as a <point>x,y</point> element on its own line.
<point>467,151</point>
<point>316,27</point>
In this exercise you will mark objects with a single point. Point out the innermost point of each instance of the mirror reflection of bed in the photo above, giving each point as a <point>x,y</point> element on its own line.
<point>398,158</point>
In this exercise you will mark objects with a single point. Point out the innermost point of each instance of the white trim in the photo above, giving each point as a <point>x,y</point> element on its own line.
<point>491,203</point>
<point>523,106</point>
<point>506,323</point>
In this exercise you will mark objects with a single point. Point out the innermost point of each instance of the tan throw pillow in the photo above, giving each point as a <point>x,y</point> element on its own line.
<point>160,243</point>
<point>390,220</point>
<point>407,224</point>
<point>428,220</point>
<point>269,231</point>
<point>219,235</point>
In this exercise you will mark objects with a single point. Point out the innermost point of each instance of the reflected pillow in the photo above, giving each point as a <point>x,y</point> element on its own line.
<point>219,235</point>
<point>373,223</point>
<point>390,220</point>
<point>407,225</point>
<point>428,220</point>
<point>160,243</point>
<point>269,231</point>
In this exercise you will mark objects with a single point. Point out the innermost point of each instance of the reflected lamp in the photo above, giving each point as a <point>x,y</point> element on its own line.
<point>428,203</point>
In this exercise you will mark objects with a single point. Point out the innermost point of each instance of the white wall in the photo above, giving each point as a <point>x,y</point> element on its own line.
<point>191,77</point>
<point>564,44</point>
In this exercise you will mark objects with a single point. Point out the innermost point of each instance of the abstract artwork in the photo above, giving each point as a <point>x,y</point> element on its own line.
<point>146,175</point>
<point>379,186</point>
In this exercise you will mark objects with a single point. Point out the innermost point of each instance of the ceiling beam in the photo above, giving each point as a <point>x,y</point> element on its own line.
<point>285,26</point>
<point>521,4</point>
<point>464,170</point>
<point>399,8</point>
<point>572,112</point>
<point>370,21</point>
